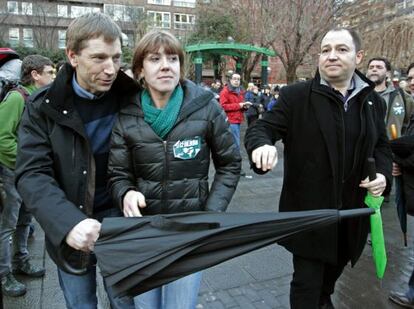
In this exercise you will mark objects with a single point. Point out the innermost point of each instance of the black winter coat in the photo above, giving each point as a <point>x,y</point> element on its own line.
<point>309,118</point>
<point>55,169</point>
<point>140,160</point>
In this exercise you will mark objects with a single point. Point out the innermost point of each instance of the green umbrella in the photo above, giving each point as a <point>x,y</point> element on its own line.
<point>377,234</point>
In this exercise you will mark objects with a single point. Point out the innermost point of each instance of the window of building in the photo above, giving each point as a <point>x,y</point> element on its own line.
<point>160,19</point>
<point>185,3</point>
<point>121,12</point>
<point>14,36</point>
<point>76,11</point>
<point>27,8</point>
<point>160,2</point>
<point>184,21</point>
<point>28,37</point>
<point>62,10</point>
<point>61,39</point>
<point>12,7</point>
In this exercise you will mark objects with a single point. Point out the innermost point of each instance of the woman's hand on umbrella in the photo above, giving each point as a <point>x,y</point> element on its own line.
<point>265,157</point>
<point>376,186</point>
<point>84,235</point>
<point>133,201</point>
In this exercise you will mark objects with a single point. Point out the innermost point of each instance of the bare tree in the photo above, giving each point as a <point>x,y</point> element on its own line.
<point>131,18</point>
<point>292,28</point>
<point>297,26</point>
<point>44,20</point>
<point>393,40</point>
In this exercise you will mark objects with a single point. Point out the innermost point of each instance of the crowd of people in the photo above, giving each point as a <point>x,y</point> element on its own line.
<point>89,141</point>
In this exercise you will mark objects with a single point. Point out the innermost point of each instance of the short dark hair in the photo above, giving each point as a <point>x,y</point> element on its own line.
<point>383,59</point>
<point>33,63</point>
<point>235,73</point>
<point>91,26</point>
<point>410,67</point>
<point>355,36</point>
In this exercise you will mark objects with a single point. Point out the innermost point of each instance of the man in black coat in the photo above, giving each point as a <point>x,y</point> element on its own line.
<point>64,138</point>
<point>330,126</point>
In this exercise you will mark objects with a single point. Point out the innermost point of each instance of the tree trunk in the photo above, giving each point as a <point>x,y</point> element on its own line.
<point>291,73</point>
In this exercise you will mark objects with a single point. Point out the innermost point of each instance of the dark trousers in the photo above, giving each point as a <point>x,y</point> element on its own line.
<point>313,281</point>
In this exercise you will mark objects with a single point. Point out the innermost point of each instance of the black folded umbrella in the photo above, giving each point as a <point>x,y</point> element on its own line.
<point>138,254</point>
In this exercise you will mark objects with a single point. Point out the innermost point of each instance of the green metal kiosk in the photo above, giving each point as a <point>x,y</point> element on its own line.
<point>237,50</point>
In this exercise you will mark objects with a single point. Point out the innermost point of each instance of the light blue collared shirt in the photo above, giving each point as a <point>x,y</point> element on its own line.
<point>80,91</point>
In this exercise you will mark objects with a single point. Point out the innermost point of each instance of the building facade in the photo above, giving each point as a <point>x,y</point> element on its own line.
<point>368,15</point>
<point>43,24</point>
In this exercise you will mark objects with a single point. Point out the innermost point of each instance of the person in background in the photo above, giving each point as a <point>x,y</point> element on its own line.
<point>403,167</point>
<point>233,102</point>
<point>400,105</point>
<point>167,136</point>
<point>265,97</point>
<point>36,72</point>
<point>254,111</point>
<point>275,96</point>
<point>410,79</point>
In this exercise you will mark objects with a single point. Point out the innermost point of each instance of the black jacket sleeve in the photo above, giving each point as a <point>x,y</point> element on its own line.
<point>382,151</point>
<point>227,161</point>
<point>120,167</point>
<point>266,131</point>
<point>35,179</point>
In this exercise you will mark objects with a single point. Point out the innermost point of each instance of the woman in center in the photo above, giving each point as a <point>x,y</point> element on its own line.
<point>161,149</point>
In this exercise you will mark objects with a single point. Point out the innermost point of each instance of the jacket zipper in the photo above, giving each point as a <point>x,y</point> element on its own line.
<point>164,180</point>
<point>73,152</point>
<point>342,176</point>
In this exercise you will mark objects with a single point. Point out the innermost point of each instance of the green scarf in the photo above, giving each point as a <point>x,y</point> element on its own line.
<point>162,120</point>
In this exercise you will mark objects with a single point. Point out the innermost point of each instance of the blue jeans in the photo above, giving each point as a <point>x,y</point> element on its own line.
<point>235,130</point>
<point>80,291</point>
<point>410,292</point>
<point>181,294</point>
<point>14,222</point>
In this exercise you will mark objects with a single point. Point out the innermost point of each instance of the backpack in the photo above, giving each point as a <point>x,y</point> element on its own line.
<point>19,89</point>
<point>10,66</point>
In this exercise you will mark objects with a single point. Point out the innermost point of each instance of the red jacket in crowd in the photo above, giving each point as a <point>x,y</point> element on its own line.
<point>230,100</point>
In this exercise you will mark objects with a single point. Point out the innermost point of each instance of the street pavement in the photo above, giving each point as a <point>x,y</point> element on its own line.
<point>261,278</point>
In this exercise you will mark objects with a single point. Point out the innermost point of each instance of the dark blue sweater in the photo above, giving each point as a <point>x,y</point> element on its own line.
<point>99,116</point>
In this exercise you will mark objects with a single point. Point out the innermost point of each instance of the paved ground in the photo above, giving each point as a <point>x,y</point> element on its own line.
<point>259,279</point>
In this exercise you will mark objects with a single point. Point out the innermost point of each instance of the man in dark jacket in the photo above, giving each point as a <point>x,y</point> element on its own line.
<point>400,105</point>
<point>330,126</point>
<point>64,137</point>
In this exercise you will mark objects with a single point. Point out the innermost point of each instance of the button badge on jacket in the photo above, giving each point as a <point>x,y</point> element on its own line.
<point>187,149</point>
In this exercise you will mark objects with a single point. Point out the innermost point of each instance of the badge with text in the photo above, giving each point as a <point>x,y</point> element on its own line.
<point>187,149</point>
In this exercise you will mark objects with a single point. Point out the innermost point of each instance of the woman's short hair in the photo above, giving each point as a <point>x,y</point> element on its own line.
<point>151,43</point>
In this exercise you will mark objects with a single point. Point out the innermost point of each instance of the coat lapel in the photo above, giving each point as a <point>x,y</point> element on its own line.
<point>326,121</point>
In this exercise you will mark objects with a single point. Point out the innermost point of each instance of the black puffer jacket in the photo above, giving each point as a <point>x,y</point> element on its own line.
<point>171,180</point>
